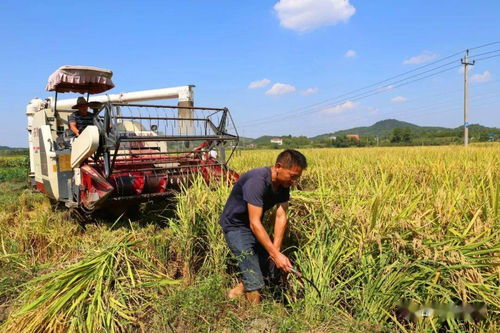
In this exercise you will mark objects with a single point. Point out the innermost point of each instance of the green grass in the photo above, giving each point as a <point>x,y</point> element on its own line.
<point>13,167</point>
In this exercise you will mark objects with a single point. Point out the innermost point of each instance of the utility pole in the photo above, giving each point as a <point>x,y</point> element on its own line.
<point>466,116</point>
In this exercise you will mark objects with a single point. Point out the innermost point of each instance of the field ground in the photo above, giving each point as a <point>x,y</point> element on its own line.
<point>372,227</point>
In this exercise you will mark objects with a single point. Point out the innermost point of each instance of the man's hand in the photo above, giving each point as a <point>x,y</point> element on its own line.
<point>282,262</point>
<point>255,214</point>
<point>74,129</point>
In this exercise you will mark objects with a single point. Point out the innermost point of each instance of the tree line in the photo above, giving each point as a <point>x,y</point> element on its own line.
<point>400,136</point>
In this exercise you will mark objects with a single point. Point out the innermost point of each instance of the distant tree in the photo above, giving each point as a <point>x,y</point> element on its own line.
<point>406,135</point>
<point>397,134</point>
<point>351,142</point>
<point>484,136</point>
<point>341,142</point>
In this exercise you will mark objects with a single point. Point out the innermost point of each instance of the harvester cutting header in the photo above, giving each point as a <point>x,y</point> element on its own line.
<point>125,151</point>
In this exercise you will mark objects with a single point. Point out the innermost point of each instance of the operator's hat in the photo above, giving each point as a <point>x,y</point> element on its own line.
<point>81,101</point>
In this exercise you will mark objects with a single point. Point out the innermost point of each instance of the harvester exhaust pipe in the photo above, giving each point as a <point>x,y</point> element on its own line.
<point>182,94</point>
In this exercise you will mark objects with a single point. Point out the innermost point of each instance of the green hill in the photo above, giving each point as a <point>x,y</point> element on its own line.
<point>264,139</point>
<point>245,141</point>
<point>382,128</point>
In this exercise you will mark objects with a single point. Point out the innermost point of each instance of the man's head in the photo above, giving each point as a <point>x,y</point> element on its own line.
<point>289,166</point>
<point>81,105</point>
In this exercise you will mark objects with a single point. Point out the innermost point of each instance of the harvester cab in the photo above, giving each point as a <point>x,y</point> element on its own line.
<point>131,152</point>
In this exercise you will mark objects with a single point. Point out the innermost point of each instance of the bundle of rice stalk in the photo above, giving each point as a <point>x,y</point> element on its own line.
<point>103,293</point>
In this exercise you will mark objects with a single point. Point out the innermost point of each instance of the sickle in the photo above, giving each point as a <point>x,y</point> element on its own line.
<point>302,277</point>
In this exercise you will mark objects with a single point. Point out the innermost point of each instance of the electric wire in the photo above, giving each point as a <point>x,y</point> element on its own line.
<point>446,107</point>
<point>418,112</point>
<point>494,56</point>
<point>308,107</point>
<point>480,54</point>
<point>441,103</point>
<point>356,98</point>
<point>338,101</point>
<point>366,87</point>
<point>485,45</point>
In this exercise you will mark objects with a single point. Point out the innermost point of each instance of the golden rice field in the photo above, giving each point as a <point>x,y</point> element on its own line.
<point>372,227</point>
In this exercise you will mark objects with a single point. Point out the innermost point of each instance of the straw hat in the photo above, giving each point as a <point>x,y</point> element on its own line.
<point>81,101</point>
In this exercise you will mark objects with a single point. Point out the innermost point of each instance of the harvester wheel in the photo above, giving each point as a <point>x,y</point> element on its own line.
<point>57,205</point>
<point>81,217</point>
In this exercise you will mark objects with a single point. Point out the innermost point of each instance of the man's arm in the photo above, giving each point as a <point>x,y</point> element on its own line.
<point>280,222</point>
<point>255,214</point>
<point>74,129</point>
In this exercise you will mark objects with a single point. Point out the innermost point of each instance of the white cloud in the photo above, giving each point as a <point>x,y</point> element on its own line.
<point>485,77</point>
<point>385,88</point>
<point>425,56</point>
<point>259,84</point>
<point>399,99</point>
<point>341,107</point>
<point>280,89</point>
<point>373,110</point>
<point>307,15</point>
<point>350,54</point>
<point>309,91</point>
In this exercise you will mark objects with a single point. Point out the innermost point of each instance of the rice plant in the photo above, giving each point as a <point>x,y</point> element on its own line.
<point>373,228</point>
<point>103,293</point>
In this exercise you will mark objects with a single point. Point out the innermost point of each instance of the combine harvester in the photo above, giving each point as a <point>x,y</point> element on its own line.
<point>132,152</point>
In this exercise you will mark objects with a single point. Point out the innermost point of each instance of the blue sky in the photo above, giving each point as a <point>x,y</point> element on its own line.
<point>261,58</point>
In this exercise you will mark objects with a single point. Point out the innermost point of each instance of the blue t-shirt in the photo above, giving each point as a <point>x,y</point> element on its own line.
<point>82,121</point>
<point>254,187</point>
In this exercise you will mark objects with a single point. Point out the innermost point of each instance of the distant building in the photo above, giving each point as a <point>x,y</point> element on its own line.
<point>278,141</point>
<point>333,138</point>
<point>353,136</point>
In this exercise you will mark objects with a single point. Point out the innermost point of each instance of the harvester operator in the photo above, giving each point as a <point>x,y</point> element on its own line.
<point>81,118</point>
<point>254,193</point>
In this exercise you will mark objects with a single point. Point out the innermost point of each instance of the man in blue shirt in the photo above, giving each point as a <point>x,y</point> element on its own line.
<point>81,118</point>
<point>255,192</point>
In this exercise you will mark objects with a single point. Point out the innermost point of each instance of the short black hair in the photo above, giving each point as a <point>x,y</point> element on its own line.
<point>290,158</point>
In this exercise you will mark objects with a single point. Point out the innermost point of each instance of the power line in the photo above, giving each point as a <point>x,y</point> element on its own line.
<point>480,54</point>
<point>442,104</point>
<point>368,86</point>
<point>484,45</point>
<point>339,100</point>
<point>466,63</point>
<point>307,109</point>
<point>446,108</point>
<point>356,97</point>
<point>494,56</point>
